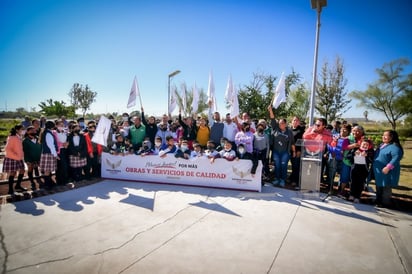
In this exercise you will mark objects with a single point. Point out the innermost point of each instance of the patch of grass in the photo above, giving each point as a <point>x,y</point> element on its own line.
<point>405,182</point>
<point>5,126</point>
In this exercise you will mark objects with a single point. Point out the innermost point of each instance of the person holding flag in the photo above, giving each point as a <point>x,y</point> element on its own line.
<point>215,123</point>
<point>189,129</point>
<point>283,143</point>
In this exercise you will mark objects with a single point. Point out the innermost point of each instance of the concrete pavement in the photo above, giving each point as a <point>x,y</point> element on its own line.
<point>129,227</point>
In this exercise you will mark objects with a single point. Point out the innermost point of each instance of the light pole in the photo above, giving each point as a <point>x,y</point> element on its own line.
<point>168,89</point>
<point>315,4</point>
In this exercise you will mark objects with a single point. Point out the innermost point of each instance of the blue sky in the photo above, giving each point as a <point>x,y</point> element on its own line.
<point>47,45</point>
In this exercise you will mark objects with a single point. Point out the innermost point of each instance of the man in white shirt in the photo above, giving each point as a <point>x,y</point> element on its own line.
<point>229,130</point>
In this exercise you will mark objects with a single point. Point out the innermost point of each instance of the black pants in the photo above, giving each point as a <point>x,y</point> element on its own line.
<point>62,172</point>
<point>358,177</point>
<point>93,166</point>
<point>294,176</point>
<point>261,155</point>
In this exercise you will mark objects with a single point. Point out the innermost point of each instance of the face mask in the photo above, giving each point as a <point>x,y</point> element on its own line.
<point>81,124</point>
<point>222,144</point>
<point>241,150</point>
<point>184,147</point>
<point>125,118</point>
<point>260,130</point>
<point>210,147</point>
<point>158,144</point>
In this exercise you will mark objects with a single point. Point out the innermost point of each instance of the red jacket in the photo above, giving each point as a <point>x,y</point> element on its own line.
<point>90,145</point>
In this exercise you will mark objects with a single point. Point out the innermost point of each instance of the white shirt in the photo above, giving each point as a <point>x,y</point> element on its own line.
<point>50,144</point>
<point>229,131</point>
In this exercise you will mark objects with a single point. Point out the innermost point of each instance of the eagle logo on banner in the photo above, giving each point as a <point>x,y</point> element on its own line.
<point>113,165</point>
<point>240,172</point>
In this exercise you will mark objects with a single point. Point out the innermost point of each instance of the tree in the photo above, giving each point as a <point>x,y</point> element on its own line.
<point>390,94</point>
<point>298,101</point>
<point>331,96</point>
<point>185,99</point>
<point>56,108</point>
<point>254,100</point>
<point>82,97</point>
<point>21,111</point>
<point>365,114</point>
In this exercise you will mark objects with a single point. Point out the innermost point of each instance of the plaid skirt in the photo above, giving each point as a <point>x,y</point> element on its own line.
<point>10,165</point>
<point>76,161</point>
<point>48,162</point>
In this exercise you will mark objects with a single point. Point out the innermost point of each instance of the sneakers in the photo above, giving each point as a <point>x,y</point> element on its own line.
<point>282,183</point>
<point>276,182</point>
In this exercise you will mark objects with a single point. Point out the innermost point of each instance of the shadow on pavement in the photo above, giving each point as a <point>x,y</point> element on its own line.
<point>76,199</point>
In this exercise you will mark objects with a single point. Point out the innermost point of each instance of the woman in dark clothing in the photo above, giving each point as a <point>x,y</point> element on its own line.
<point>77,151</point>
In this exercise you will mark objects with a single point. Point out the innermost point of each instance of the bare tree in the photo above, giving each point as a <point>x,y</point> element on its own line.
<point>82,97</point>
<point>390,94</point>
<point>332,98</point>
<point>365,114</point>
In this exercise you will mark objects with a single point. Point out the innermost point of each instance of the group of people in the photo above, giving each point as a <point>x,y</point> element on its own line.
<point>66,148</point>
<point>354,157</point>
<point>58,147</point>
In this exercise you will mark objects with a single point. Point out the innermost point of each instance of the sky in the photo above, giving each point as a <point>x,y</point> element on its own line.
<point>46,46</point>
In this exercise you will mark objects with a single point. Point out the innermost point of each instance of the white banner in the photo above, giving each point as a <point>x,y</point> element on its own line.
<point>171,170</point>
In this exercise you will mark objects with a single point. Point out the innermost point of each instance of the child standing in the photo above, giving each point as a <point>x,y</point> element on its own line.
<point>13,160</point>
<point>362,160</point>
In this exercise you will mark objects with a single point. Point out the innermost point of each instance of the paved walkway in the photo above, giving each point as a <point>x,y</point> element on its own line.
<point>127,227</point>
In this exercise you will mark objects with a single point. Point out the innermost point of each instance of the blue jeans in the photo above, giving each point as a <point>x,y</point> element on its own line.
<point>281,160</point>
<point>345,174</point>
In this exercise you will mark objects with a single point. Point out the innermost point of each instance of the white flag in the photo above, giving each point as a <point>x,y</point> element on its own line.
<point>133,94</point>
<point>234,106</point>
<point>211,93</point>
<point>195,101</point>
<point>184,98</point>
<point>280,95</point>
<point>102,131</point>
<point>229,90</point>
<point>173,100</point>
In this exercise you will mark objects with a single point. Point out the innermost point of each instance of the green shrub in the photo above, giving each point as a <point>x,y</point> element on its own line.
<point>404,132</point>
<point>5,126</point>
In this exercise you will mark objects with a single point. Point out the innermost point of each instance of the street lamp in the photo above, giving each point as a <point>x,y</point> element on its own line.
<point>168,88</point>
<point>315,4</point>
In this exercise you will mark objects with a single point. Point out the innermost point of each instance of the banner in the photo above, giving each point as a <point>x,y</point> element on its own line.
<point>171,170</point>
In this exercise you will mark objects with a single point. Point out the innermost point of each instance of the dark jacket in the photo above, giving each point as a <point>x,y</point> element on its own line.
<point>80,150</point>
